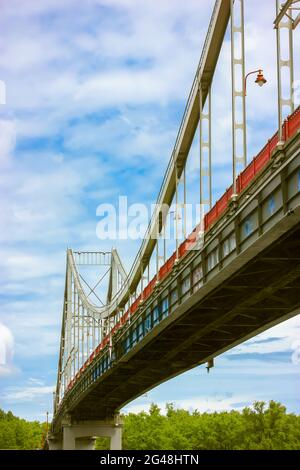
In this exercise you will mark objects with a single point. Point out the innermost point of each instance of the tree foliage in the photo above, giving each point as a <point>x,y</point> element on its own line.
<point>260,427</point>
<point>16,433</point>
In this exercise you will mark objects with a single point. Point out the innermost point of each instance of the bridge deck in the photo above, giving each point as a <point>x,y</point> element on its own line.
<point>265,292</point>
<point>244,280</point>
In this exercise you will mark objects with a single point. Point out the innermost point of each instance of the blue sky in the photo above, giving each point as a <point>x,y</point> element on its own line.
<point>95,91</point>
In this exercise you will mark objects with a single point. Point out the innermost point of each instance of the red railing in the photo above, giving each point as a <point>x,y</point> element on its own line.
<point>289,128</point>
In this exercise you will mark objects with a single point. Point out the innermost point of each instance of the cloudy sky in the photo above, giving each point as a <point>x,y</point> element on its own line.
<point>92,96</point>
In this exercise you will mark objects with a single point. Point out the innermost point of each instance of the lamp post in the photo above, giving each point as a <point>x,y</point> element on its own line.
<point>260,79</point>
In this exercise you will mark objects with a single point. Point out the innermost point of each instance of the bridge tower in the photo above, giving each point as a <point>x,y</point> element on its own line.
<point>85,323</point>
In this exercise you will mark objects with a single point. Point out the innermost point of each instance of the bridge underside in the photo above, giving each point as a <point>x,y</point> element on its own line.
<point>262,293</point>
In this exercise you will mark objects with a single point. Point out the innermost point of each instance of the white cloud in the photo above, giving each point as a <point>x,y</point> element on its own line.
<point>204,404</point>
<point>26,394</point>
<point>286,334</point>
<point>6,350</point>
<point>7,140</point>
<point>35,321</point>
<point>36,381</point>
<point>2,92</point>
<point>45,203</point>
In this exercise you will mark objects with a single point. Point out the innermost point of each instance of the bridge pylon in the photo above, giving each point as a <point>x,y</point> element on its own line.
<point>86,321</point>
<point>81,435</point>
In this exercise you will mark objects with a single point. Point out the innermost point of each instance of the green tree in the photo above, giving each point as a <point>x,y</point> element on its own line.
<point>16,433</point>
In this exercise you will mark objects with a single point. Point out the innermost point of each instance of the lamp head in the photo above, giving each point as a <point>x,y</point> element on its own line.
<point>260,80</point>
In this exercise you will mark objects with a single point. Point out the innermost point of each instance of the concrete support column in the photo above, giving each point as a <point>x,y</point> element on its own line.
<point>81,435</point>
<point>85,443</point>
<point>69,438</point>
<point>116,439</point>
<point>55,443</point>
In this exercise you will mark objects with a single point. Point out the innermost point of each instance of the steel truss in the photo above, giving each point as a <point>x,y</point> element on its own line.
<point>239,156</point>
<point>285,19</point>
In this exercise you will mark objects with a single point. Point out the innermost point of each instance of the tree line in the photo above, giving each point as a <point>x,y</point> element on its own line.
<point>261,427</point>
<point>17,433</point>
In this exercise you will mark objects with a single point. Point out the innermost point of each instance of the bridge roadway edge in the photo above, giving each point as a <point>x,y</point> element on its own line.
<point>145,367</point>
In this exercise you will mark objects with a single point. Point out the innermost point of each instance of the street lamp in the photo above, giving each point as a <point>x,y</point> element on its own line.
<point>260,79</point>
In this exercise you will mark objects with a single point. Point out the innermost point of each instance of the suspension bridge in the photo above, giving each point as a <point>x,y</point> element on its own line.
<point>236,275</point>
